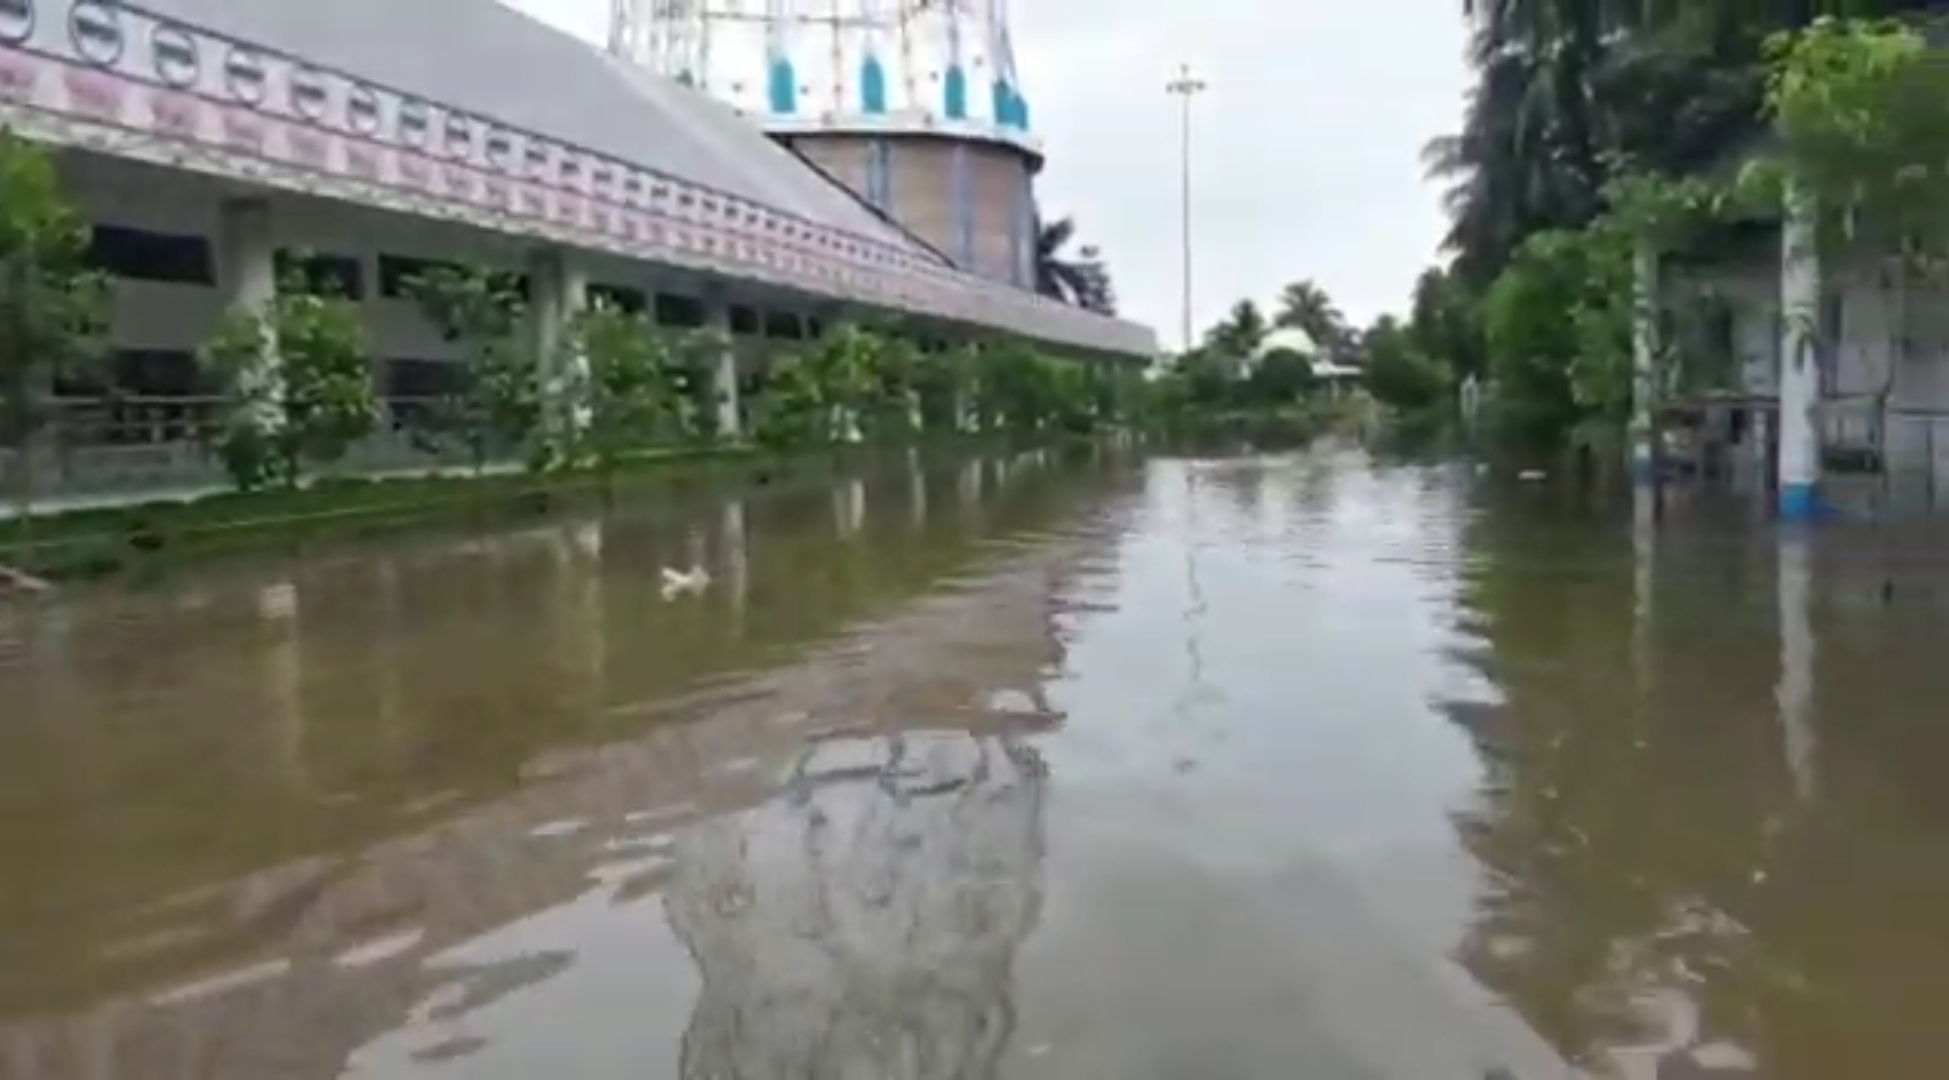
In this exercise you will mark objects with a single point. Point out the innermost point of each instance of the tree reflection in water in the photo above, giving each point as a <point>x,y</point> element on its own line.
<point>864,922</point>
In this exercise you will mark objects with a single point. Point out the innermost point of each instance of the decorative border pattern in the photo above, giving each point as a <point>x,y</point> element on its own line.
<point>194,99</point>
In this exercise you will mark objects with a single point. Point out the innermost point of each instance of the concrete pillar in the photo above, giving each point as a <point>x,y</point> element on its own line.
<point>737,558</point>
<point>247,277</point>
<point>724,372</point>
<point>1794,693</point>
<point>558,290</point>
<point>1644,363</point>
<point>1799,467</point>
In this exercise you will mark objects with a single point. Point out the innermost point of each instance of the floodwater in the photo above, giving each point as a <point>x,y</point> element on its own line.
<point>1291,767</point>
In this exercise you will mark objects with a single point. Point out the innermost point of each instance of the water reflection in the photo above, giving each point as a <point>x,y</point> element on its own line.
<point>1036,768</point>
<point>865,924</point>
<point>471,737</point>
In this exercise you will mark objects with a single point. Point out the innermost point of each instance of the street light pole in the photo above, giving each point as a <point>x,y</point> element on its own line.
<point>1185,87</point>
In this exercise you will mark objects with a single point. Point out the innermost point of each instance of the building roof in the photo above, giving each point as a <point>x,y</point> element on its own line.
<point>1286,339</point>
<point>488,59</point>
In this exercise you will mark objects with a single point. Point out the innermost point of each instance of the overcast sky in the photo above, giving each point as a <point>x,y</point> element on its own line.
<point>1306,146</point>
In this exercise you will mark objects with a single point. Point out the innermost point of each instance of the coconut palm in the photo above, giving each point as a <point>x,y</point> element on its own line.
<point>1083,280</point>
<point>1305,306</point>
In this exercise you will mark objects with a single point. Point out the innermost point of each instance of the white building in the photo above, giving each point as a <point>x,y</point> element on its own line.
<point>208,138</point>
<point>1879,391</point>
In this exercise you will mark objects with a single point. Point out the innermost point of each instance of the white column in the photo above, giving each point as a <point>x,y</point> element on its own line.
<point>1794,693</point>
<point>1799,475</point>
<point>558,290</point>
<point>724,374</point>
<point>1644,362</point>
<point>247,276</point>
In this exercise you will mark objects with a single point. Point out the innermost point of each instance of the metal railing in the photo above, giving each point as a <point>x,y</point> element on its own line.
<point>131,445</point>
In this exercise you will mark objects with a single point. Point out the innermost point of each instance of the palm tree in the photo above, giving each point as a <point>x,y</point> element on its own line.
<point>1083,280</point>
<point>1305,306</point>
<point>1235,338</point>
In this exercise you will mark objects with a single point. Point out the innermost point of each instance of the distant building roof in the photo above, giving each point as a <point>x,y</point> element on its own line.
<point>483,57</point>
<point>1286,339</point>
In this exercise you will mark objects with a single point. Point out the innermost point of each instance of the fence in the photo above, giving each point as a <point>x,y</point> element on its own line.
<point>129,445</point>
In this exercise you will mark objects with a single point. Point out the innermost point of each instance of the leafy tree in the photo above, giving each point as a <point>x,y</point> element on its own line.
<point>1281,377</point>
<point>1083,281</point>
<point>52,306</point>
<point>621,388</point>
<point>300,385</point>
<point>1397,373</point>
<point>1305,306</point>
<point>496,405</point>
<point>1239,334</point>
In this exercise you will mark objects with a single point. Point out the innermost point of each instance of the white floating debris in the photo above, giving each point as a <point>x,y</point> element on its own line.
<point>384,948</point>
<point>565,827</point>
<point>680,582</point>
<point>1531,476</point>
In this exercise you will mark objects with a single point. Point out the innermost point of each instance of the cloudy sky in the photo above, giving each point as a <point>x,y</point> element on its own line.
<point>1305,146</point>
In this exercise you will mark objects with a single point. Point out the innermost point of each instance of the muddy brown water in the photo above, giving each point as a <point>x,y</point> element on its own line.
<point>1099,766</point>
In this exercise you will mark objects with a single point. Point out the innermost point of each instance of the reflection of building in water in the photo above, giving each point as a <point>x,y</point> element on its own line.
<point>923,870</point>
<point>864,922</point>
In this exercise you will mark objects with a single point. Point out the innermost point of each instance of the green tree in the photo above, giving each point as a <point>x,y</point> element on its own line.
<point>299,381</point>
<point>495,406</point>
<point>1305,306</point>
<point>620,387</point>
<point>1237,336</point>
<point>1397,374</point>
<point>52,306</point>
<point>1082,280</point>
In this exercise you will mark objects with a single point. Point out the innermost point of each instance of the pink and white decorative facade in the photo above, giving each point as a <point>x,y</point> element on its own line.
<point>380,127</point>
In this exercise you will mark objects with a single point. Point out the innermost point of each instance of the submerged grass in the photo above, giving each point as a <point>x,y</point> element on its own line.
<point>104,542</point>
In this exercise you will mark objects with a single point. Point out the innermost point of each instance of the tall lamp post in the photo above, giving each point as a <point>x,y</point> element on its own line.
<point>1186,87</point>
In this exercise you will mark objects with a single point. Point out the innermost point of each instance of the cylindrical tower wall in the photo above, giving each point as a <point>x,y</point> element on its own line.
<point>972,200</point>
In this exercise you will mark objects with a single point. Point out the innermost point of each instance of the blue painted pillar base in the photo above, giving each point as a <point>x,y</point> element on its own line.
<point>1799,503</point>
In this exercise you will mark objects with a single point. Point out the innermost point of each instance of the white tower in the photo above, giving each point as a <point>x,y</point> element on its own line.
<point>914,105</point>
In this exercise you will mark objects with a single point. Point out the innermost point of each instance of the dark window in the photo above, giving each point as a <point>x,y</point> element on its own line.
<point>243,73</point>
<point>537,157</point>
<point>310,92</point>
<point>500,149</point>
<point>679,311</point>
<point>175,54</point>
<point>814,329</point>
<point>571,170</point>
<point>460,136</point>
<point>140,255</point>
<point>413,378</point>
<point>781,324</point>
<point>362,109</point>
<point>396,271</point>
<point>744,320</point>
<point>633,186</point>
<point>96,30</point>
<point>323,274</point>
<point>619,298</point>
<point>16,21</point>
<point>413,122</point>
<point>137,397</point>
<point>414,390</point>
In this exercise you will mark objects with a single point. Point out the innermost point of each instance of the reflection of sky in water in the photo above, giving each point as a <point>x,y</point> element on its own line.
<point>1354,765</point>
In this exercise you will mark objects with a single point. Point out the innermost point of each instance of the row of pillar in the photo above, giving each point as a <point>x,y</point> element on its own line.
<point>247,248</point>
<point>1797,476</point>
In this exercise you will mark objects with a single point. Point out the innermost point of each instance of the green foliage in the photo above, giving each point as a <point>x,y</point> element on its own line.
<point>299,382</point>
<point>1860,128</point>
<point>496,406</point>
<point>621,396</point>
<point>1398,373</point>
<point>1557,324</point>
<point>52,307</point>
